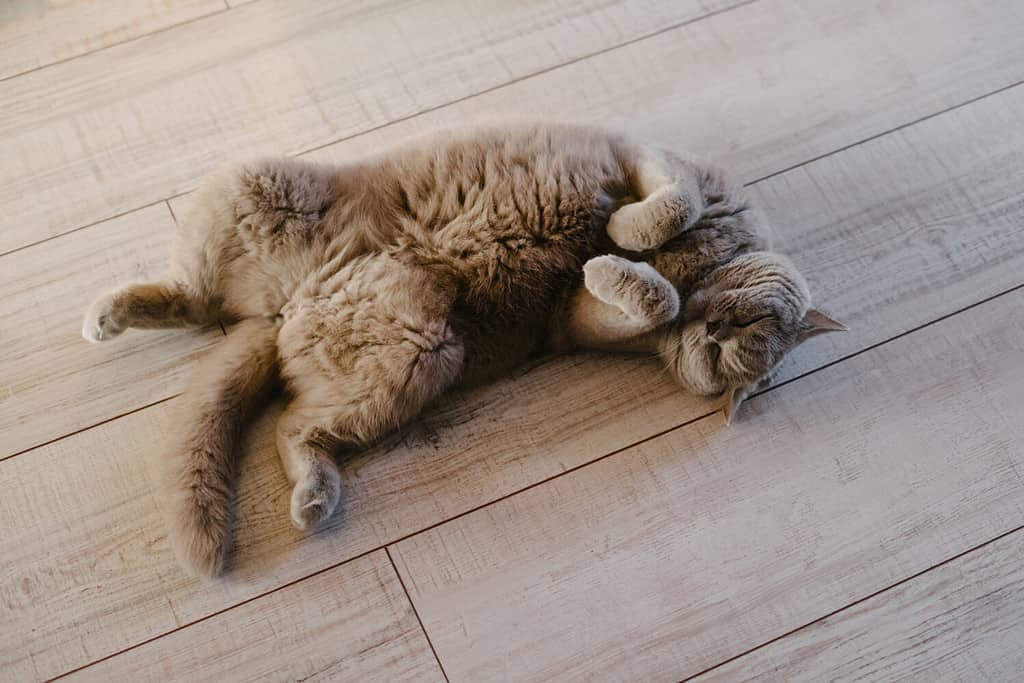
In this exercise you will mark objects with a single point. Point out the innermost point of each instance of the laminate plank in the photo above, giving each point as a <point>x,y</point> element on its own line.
<point>351,623</point>
<point>143,121</point>
<point>765,86</point>
<point>677,554</point>
<point>962,621</point>
<point>925,241</point>
<point>35,33</point>
<point>51,381</point>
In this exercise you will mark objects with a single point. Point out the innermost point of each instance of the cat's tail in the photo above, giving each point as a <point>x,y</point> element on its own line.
<point>199,469</point>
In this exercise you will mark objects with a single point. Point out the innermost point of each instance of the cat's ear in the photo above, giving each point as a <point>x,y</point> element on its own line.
<point>815,322</point>
<point>733,398</point>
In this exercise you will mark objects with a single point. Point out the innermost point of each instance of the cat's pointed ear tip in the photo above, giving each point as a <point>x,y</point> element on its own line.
<point>731,403</point>
<point>822,322</point>
<point>815,322</point>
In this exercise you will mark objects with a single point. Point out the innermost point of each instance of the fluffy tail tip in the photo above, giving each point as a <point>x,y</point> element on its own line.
<point>201,537</point>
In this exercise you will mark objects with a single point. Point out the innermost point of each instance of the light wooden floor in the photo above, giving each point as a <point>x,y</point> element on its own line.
<point>583,520</point>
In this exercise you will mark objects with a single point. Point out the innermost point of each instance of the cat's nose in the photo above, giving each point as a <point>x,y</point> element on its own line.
<point>718,331</point>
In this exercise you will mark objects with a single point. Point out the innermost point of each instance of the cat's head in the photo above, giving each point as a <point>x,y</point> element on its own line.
<point>739,324</point>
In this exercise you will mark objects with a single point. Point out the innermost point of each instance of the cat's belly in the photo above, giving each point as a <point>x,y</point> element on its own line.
<point>376,319</point>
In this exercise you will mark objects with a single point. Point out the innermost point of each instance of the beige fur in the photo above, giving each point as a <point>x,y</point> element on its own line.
<point>375,286</point>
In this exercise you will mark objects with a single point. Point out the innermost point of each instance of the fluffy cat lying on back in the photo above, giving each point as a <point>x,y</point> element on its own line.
<point>375,286</point>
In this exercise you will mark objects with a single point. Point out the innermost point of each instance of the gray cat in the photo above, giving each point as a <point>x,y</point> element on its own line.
<point>373,287</point>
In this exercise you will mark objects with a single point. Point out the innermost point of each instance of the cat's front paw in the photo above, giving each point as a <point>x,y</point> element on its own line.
<point>630,228</point>
<point>647,225</point>
<point>604,277</point>
<point>635,287</point>
<point>100,322</point>
<point>315,497</point>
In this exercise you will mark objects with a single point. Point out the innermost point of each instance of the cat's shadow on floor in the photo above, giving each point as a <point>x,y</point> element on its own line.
<point>476,445</point>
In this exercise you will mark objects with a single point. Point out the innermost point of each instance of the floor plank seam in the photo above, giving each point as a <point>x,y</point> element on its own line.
<point>170,210</point>
<point>526,77</point>
<point>141,36</point>
<point>856,602</point>
<point>93,224</point>
<point>562,474</point>
<point>896,129</point>
<point>217,613</point>
<point>415,611</point>
<point>87,428</point>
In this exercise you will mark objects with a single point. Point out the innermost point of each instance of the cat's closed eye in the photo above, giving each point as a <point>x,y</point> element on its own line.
<point>752,321</point>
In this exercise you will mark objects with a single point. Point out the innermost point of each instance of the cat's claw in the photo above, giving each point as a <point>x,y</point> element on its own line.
<point>99,324</point>
<point>316,496</point>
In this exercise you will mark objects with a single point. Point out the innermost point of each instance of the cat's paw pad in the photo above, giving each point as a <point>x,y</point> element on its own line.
<point>100,324</point>
<point>604,276</point>
<point>316,496</point>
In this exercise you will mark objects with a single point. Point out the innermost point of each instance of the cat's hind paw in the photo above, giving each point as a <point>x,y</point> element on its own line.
<point>100,323</point>
<point>315,497</point>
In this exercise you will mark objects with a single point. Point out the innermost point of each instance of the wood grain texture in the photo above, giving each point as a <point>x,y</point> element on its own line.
<point>35,33</point>
<point>765,86</point>
<point>934,243</point>
<point>52,382</point>
<point>962,621</point>
<point>352,623</point>
<point>143,121</point>
<point>679,553</point>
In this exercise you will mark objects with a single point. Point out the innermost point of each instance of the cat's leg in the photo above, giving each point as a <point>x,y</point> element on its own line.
<point>306,445</point>
<point>354,411</point>
<point>359,370</point>
<point>144,305</point>
<point>240,250</point>
<point>670,201</point>
<point>620,306</point>
<point>189,294</point>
